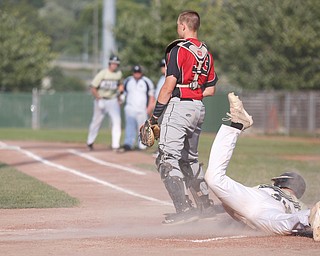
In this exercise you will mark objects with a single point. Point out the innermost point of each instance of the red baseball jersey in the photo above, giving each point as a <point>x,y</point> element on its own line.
<point>182,64</point>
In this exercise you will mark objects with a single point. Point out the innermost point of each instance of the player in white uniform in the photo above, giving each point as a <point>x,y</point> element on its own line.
<point>106,88</point>
<point>139,103</point>
<point>273,208</point>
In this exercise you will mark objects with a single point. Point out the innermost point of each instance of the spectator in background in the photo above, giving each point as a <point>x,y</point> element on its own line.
<point>139,103</point>
<point>106,87</point>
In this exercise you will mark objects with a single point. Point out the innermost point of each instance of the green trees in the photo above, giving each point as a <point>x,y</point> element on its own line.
<point>144,30</point>
<point>25,54</point>
<point>256,44</point>
<point>32,34</point>
<point>269,44</point>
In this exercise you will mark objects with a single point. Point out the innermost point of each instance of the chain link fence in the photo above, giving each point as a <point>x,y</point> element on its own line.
<point>284,112</point>
<point>273,112</point>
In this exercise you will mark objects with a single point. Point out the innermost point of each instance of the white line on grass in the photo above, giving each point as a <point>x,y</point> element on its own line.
<point>86,176</point>
<point>98,161</point>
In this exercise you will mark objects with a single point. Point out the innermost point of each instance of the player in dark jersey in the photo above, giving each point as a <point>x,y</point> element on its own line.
<point>190,76</point>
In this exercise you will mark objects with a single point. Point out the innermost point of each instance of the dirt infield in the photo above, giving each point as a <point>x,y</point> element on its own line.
<point>120,213</point>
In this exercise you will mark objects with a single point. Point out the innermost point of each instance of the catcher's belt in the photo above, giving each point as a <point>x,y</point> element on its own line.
<point>193,85</point>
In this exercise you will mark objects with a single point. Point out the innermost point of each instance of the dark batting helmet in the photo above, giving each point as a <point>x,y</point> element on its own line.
<point>291,180</point>
<point>114,59</point>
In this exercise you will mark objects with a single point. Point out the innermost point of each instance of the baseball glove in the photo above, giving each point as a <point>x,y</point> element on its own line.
<point>149,133</point>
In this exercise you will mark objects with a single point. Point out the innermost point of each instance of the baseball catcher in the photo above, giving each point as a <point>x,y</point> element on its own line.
<point>190,76</point>
<point>149,132</point>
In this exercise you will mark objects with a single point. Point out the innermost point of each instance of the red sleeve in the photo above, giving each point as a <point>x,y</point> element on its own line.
<point>212,77</point>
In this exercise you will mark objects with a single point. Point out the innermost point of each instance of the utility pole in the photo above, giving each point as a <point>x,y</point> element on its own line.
<point>109,18</point>
<point>95,38</point>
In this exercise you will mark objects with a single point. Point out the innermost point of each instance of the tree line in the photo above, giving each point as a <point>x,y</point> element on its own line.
<point>257,45</point>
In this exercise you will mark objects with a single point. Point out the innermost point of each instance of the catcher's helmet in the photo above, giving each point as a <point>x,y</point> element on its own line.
<point>114,59</point>
<point>291,180</point>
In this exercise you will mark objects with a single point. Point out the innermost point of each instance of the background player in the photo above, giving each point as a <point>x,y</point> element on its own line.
<point>276,208</point>
<point>139,93</point>
<point>190,76</point>
<point>106,88</point>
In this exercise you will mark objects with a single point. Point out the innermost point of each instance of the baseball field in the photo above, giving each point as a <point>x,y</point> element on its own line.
<point>114,202</point>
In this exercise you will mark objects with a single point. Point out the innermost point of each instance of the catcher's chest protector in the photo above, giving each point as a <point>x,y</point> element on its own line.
<point>199,52</point>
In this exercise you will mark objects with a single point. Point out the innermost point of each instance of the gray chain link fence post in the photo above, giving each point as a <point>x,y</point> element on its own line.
<point>35,109</point>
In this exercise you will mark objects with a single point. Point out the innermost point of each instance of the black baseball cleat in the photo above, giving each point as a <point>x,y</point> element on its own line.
<point>90,146</point>
<point>188,216</point>
<point>211,211</point>
<point>124,148</point>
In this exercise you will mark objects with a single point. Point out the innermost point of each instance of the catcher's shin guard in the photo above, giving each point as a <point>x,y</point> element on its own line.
<point>175,188</point>
<point>199,191</point>
<point>197,186</point>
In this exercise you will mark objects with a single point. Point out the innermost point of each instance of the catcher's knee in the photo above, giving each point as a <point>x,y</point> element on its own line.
<point>194,176</point>
<point>185,168</point>
<point>200,186</point>
<point>164,169</point>
<point>162,159</point>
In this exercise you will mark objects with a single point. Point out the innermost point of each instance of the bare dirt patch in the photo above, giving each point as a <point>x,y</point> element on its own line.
<point>120,211</point>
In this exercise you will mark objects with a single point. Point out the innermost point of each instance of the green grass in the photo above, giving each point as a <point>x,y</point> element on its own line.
<point>255,159</point>
<point>18,190</point>
<point>45,135</point>
<point>69,135</point>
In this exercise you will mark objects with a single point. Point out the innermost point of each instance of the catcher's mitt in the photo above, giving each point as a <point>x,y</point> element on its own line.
<point>149,133</point>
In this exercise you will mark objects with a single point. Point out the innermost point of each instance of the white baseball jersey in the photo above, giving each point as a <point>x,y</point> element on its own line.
<point>265,207</point>
<point>138,92</point>
<point>107,83</point>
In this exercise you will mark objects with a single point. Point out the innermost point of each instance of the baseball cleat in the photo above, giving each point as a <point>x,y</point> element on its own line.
<point>90,146</point>
<point>188,216</point>
<point>314,220</point>
<point>237,112</point>
<point>211,211</point>
<point>124,148</point>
